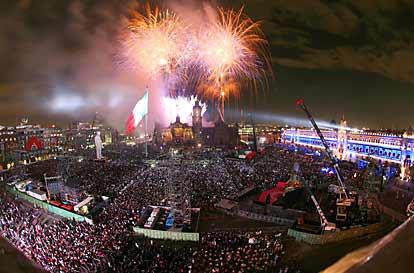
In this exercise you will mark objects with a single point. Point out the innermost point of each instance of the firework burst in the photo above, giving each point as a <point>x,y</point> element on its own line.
<point>234,47</point>
<point>234,54</point>
<point>154,42</point>
<point>216,60</point>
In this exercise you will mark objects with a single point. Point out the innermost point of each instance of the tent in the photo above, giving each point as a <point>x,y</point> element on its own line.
<point>272,195</point>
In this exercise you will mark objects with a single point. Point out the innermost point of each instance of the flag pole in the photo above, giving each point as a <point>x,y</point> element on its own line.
<point>146,124</point>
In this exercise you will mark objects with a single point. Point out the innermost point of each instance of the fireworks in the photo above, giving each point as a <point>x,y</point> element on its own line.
<point>233,47</point>
<point>153,42</point>
<point>216,60</point>
<point>233,53</point>
<point>180,106</point>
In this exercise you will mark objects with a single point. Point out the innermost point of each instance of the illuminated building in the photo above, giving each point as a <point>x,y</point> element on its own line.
<point>222,134</point>
<point>245,131</point>
<point>8,144</point>
<point>30,137</point>
<point>176,133</point>
<point>53,139</point>
<point>353,144</point>
<point>181,133</point>
<point>27,143</point>
<point>265,134</point>
<point>30,140</point>
<point>81,135</point>
<point>197,121</point>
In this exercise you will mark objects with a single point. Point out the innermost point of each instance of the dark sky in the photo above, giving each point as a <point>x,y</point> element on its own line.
<point>345,57</point>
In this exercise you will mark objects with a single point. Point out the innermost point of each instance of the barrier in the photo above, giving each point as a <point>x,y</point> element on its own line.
<point>275,211</point>
<point>56,210</point>
<point>167,235</point>
<point>320,239</point>
<point>265,218</point>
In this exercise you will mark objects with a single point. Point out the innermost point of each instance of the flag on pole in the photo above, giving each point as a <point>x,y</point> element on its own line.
<point>138,113</point>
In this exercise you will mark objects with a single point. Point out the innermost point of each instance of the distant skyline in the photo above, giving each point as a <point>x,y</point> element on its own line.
<point>351,58</point>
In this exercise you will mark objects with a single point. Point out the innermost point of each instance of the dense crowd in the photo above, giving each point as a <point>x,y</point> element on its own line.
<point>108,245</point>
<point>242,252</point>
<point>63,245</point>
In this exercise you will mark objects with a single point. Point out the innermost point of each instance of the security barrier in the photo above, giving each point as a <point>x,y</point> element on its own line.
<point>264,218</point>
<point>48,207</point>
<point>167,235</point>
<point>332,237</point>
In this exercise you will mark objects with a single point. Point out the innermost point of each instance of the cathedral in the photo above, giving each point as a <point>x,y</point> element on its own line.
<point>179,133</point>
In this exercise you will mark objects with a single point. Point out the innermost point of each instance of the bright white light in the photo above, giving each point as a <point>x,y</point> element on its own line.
<point>180,106</point>
<point>67,102</point>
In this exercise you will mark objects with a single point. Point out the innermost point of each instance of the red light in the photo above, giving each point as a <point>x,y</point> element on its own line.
<point>299,102</point>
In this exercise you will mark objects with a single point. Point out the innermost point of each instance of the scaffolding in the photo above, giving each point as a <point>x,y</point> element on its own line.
<point>178,192</point>
<point>54,186</point>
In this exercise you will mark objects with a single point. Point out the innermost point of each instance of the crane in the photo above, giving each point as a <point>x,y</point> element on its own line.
<point>342,202</point>
<point>325,224</point>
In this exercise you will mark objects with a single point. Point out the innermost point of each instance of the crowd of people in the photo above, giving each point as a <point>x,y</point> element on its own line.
<point>60,246</point>
<point>109,246</point>
<point>238,252</point>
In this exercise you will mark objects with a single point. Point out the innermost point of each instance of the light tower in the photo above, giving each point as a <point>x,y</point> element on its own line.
<point>197,120</point>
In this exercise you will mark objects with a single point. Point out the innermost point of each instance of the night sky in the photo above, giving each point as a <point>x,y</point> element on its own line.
<point>346,57</point>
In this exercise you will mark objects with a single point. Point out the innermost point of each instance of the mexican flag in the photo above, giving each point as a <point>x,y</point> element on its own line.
<point>138,113</point>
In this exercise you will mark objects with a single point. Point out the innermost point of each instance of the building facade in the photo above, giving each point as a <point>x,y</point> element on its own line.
<point>351,145</point>
<point>8,144</point>
<point>53,139</point>
<point>197,119</point>
<point>222,134</point>
<point>177,133</point>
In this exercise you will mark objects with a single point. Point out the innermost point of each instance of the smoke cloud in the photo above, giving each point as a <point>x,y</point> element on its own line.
<point>67,61</point>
